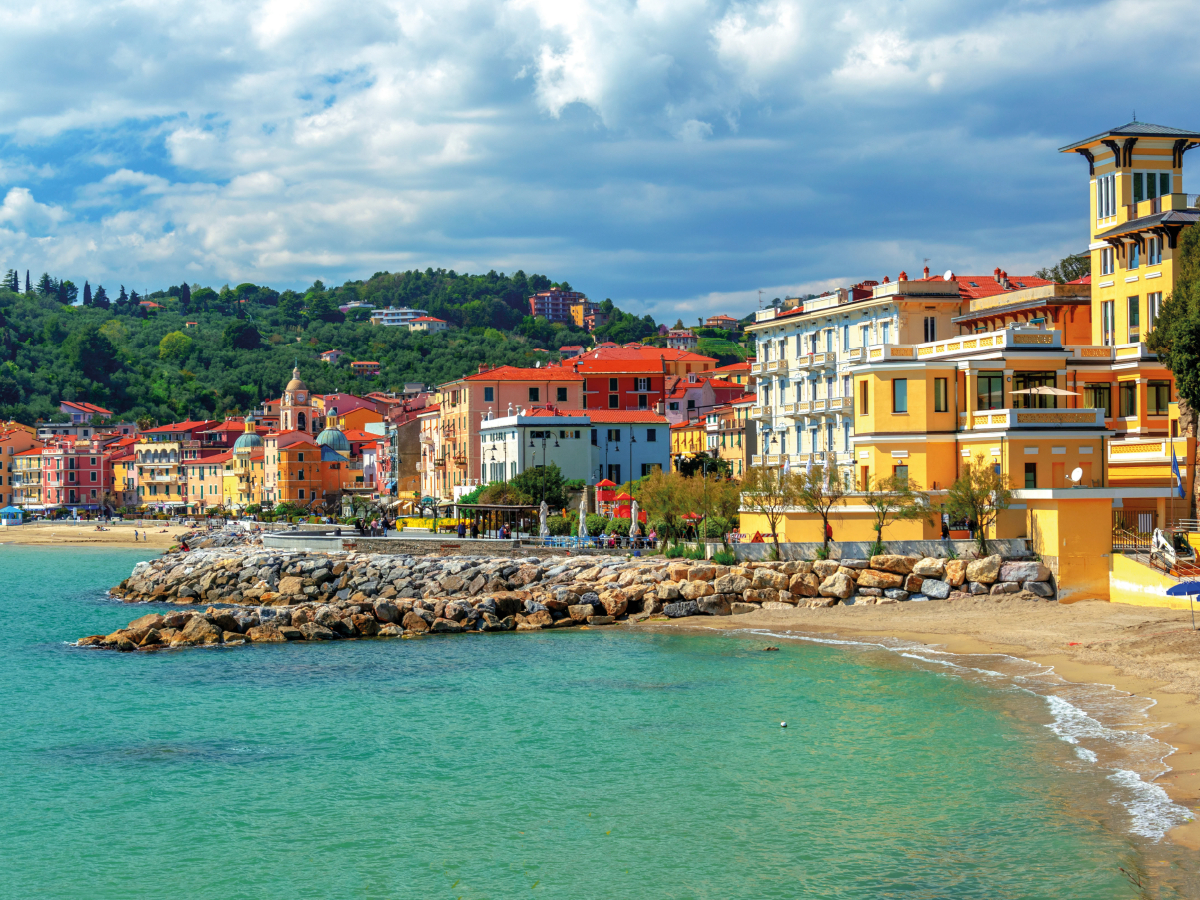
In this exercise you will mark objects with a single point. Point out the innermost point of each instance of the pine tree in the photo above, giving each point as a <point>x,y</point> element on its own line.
<point>47,286</point>
<point>87,293</point>
<point>122,298</point>
<point>100,301</point>
<point>28,289</point>
<point>134,299</point>
<point>185,297</point>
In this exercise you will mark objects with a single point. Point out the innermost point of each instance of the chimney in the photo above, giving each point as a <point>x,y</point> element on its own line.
<point>926,272</point>
<point>996,273</point>
<point>483,367</point>
<point>902,277</point>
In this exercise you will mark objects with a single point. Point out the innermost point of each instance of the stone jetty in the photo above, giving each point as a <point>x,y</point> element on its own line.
<point>252,595</point>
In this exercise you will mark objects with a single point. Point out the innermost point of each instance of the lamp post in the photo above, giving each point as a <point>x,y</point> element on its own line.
<point>545,438</point>
<point>632,441</point>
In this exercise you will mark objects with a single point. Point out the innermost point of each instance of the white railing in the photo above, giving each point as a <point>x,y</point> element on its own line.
<point>1032,418</point>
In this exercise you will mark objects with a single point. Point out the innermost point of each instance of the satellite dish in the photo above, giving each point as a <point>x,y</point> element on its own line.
<point>1076,474</point>
<point>949,276</point>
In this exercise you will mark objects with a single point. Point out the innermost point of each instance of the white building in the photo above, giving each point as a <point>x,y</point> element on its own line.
<point>591,444</point>
<point>400,315</point>
<point>804,355</point>
<point>430,324</point>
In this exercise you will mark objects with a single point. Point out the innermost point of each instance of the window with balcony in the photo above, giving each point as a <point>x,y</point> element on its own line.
<point>991,390</point>
<point>643,384</point>
<point>899,395</point>
<point>939,395</point>
<point>1098,396</point>
<point>1158,397</point>
<point>1127,398</point>
<point>1023,381</point>
<point>1135,329</point>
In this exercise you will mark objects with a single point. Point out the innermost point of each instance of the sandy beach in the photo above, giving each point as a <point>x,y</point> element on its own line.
<point>156,535</point>
<point>1148,652</point>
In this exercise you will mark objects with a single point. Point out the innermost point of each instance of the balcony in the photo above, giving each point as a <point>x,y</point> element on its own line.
<point>787,409</point>
<point>801,408</point>
<point>758,367</point>
<point>822,359</point>
<point>757,412</point>
<point>1147,451</point>
<point>1003,419</point>
<point>776,365</point>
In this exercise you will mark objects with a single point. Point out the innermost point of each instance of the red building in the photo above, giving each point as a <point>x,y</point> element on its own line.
<point>75,474</point>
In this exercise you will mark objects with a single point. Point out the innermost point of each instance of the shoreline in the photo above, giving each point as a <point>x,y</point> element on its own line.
<point>1173,717</point>
<point>118,534</point>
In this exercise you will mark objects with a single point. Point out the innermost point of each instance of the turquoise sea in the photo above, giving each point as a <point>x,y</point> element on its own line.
<point>575,764</point>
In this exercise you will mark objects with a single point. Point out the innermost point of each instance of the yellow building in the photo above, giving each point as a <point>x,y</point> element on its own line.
<point>688,439</point>
<point>1064,399</point>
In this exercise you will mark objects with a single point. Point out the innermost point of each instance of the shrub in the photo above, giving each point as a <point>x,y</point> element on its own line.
<point>725,558</point>
<point>559,525</point>
<point>596,524</point>
<point>618,527</point>
<point>675,551</point>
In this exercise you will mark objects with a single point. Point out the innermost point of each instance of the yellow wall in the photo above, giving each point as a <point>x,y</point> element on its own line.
<point>1137,584</point>
<point>1079,533</point>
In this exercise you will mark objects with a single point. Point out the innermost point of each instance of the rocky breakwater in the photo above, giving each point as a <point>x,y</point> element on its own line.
<point>269,597</point>
<point>880,579</point>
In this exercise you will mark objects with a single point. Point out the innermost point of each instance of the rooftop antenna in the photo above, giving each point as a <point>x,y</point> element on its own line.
<point>760,293</point>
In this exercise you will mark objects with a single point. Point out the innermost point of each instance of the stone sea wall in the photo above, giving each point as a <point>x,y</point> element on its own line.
<point>256,595</point>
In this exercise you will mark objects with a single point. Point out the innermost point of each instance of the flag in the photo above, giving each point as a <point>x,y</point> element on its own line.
<point>1175,470</point>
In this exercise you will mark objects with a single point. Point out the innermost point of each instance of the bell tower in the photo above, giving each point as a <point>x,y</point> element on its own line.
<point>296,411</point>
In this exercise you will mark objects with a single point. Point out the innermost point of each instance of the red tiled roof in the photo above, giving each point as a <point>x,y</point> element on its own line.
<point>618,366</point>
<point>733,367</point>
<point>606,352</point>
<point>696,424</point>
<point>291,438</point>
<point>86,407</point>
<point>1086,279</point>
<point>745,398</point>
<point>624,415</point>
<point>974,287</point>
<point>179,427</point>
<point>33,451</point>
<point>513,373</point>
<point>429,319</point>
<point>364,362</point>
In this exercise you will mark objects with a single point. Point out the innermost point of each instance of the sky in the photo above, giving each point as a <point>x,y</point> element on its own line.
<point>676,156</point>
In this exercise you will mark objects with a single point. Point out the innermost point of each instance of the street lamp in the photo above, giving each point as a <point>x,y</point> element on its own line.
<point>632,441</point>
<point>545,437</point>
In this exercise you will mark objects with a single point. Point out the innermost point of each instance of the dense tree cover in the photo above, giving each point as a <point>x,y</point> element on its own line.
<point>199,352</point>
<point>1068,269</point>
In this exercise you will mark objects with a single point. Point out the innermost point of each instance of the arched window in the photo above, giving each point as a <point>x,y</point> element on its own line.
<point>300,422</point>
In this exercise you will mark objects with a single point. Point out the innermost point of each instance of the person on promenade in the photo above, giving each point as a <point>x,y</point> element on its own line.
<point>462,530</point>
<point>828,532</point>
<point>474,530</point>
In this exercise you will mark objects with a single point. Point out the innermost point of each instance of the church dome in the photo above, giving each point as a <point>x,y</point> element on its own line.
<point>248,441</point>
<point>334,440</point>
<point>295,384</point>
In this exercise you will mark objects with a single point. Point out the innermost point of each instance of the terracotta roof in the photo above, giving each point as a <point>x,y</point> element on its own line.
<point>232,424</point>
<point>616,366</point>
<point>624,415</point>
<point>290,438</point>
<point>179,427</point>
<point>695,424</point>
<point>1086,279</point>
<point>973,287</point>
<point>358,436</point>
<point>33,451</point>
<point>733,367</point>
<point>612,353</point>
<point>86,407</point>
<point>513,373</point>
<point>429,319</point>
<point>746,398</point>
<point>364,362</point>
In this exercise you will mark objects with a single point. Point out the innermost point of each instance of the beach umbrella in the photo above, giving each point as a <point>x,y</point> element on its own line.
<point>1046,391</point>
<point>583,520</point>
<point>1186,589</point>
<point>633,517</point>
<point>543,512</point>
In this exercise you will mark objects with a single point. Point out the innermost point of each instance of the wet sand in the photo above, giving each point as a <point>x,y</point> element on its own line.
<point>1146,651</point>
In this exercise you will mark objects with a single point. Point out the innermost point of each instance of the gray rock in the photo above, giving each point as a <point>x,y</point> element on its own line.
<point>682,609</point>
<point>895,594</point>
<point>314,632</point>
<point>935,589</point>
<point>854,563</point>
<point>729,584</point>
<point>870,592</point>
<point>387,612</point>
<point>1024,570</point>
<point>975,589</point>
<point>714,605</point>
<point>1005,587</point>
<point>917,598</point>
<point>1040,588</point>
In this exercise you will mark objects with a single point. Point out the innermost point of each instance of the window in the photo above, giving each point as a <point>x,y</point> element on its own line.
<point>534,395</point>
<point>1023,381</point>
<point>1106,196</point>
<point>846,387</point>
<point>651,435</point>
<point>1158,396</point>
<point>900,471</point>
<point>1031,476</point>
<point>643,401</point>
<point>614,435</point>
<point>886,332</point>
<point>939,395</point>
<point>489,395</point>
<point>1154,251</point>
<point>1098,396</point>
<point>560,394</point>
<point>647,468</point>
<point>1153,308</point>
<point>864,335</point>
<point>863,405</point>
<point>991,390</point>
<point>829,341</point>
<point>300,494</point>
<point>673,405</point>
<point>1127,394</point>
<point>1134,320</point>
<point>899,395</point>
<point>1135,256</point>
<point>643,384</point>
<point>930,329</point>
<point>613,400</point>
<point>93,476</point>
<point>300,459</point>
<point>845,337</point>
<point>612,384</point>
<point>1106,323</point>
<point>691,404</point>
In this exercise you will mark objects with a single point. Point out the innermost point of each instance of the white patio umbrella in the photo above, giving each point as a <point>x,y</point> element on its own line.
<point>543,512</point>
<point>1046,391</point>
<point>583,520</point>
<point>634,531</point>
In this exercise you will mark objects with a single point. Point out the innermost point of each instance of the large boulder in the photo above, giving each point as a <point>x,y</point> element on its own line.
<point>694,590</point>
<point>449,626</point>
<point>935,589</point>
<point>314,632</point>
<point>930,567</point>
<point>976,589</point>
<point>1018,570</point>
<point>766,578</point>
<point>580,611</point>
<point>956,572</point>
<point>837,585</point>
<point>741,609</point>
<point>386,611</point>
<point>669,591</point>
<point>290,584</point>
<point>365,625</point>
<point>1040,588</point>
<point>823,568</point>
<point>199,630</point>
<point>413,621</point>
<point>702,573</point>
<point>760,595</point>
<point>265,634</point>
<point>880,579</point>
<point>730,584</point>
<point>715,605</point>
<point>682,609</point>
<point>615,602</point>
<point>984,571</point>
<point>887,562</point>
<point>150,620</point>
<point>1006,587</point>
<point>804,584</point>
<point>912,583</point>
<point>895,594</point>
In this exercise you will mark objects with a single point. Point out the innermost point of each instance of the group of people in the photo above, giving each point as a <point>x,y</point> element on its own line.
<point>377,527</point>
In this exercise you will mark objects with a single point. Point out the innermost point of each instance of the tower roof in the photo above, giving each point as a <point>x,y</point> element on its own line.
<point>295,384</point>
<point>1134,129</point>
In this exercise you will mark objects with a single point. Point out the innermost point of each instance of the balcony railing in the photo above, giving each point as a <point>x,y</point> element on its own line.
<point>1146,451</point>
<point>776,365</point>
<point>758,367</point>
<point>757,412</point>
<point>787,409</point>
<point>992,419</point>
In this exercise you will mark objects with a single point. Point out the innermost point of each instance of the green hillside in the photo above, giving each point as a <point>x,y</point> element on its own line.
<point>150,365</point>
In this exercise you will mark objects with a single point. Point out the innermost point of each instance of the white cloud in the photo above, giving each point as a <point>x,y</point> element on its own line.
<point>22,213</point>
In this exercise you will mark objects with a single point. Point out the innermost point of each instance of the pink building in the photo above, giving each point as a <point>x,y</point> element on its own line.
<point>75,474</point>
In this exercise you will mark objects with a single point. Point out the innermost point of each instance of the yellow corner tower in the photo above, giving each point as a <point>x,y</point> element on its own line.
<point>1137,209</point>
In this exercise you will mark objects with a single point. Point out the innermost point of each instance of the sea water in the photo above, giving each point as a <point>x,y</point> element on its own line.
<point>577,764</point>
